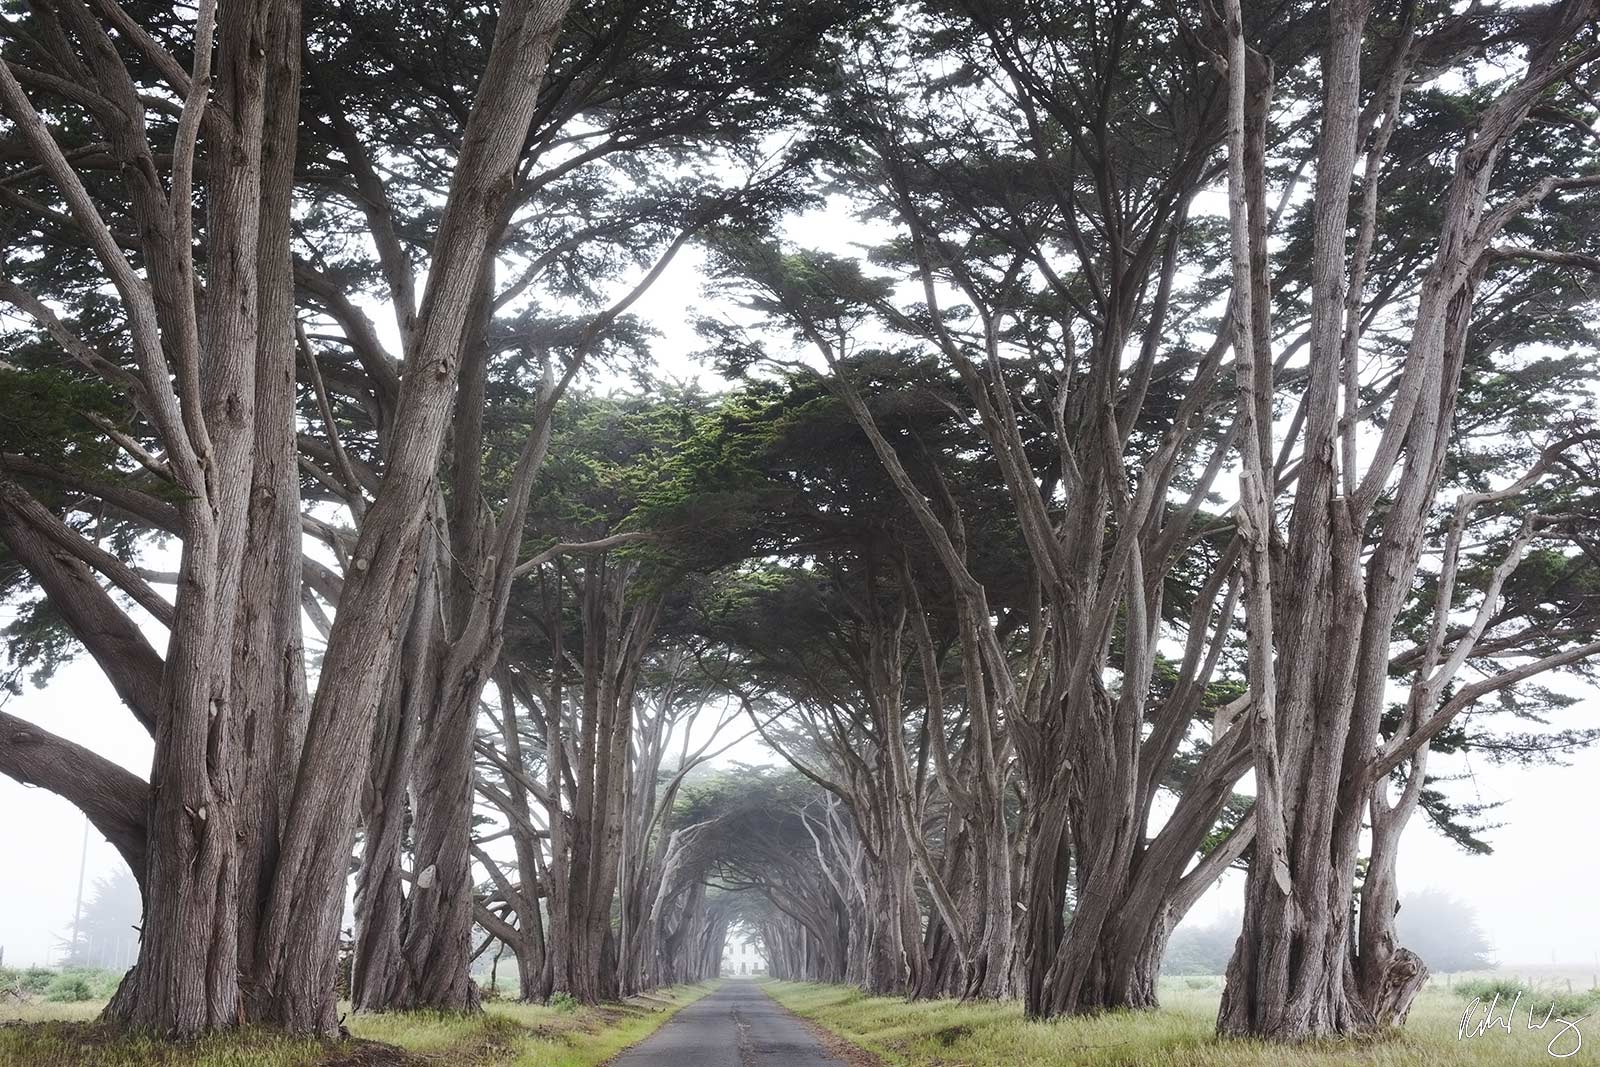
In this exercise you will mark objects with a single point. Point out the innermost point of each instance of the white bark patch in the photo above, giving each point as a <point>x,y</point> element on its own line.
<point>429,875</point>
<point>1280,871</point>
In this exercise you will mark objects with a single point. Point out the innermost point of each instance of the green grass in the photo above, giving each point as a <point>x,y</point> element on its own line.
<point>78,1044</point>
<point>530,1035</point>
<point>949,1033</point>
<point>44,1034</point>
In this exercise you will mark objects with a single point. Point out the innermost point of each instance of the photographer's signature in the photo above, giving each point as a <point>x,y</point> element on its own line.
<point>1568,1039</point>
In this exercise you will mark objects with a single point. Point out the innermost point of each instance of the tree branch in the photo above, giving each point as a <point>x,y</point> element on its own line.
<point>114,799</point>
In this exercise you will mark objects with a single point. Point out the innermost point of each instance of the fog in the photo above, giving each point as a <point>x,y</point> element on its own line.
<point>1534,896</point>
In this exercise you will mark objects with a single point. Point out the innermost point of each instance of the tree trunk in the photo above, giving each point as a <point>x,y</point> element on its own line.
<point>439,910</point>
<point>1047,862</point>
<point>379,895</point>
<point>1404,975</point>
<point>378,971</point>
<point>300,936</point>
<point>269,679</point>
<point>1291,975</point>
<point>187,977</point>
<point>1390,977</point>
<point>586,833</point>
<point>1318,681</point>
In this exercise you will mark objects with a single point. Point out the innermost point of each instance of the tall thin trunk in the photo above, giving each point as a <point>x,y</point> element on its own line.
<point>187,977</point>
<point>305,909</point>
<point>439,909</point>
<point>269,680</point>
<point>378,969</point>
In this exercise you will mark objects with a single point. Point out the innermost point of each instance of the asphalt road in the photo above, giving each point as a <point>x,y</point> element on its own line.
<point>737,1026</point>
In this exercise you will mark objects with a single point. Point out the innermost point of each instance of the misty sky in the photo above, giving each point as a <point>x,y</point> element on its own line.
<point>1535,896</point>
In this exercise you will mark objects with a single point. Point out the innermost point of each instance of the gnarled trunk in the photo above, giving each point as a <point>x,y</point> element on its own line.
<point>437,942</point>
<point>378,969</point>
<point>304,913</point>
<point>187,977</point>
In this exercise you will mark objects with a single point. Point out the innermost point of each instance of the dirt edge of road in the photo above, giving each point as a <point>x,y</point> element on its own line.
<point>836,1046</point>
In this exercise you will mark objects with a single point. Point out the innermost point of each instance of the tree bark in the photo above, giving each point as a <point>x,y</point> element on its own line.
<point>304,913</point>
<point>114,800</point>
<point>268,674</point>
<point>379,976</point>
<point>1317,686</point>
<point>187,977</point>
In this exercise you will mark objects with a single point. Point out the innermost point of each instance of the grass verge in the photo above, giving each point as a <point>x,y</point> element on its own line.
<point>505,1035</point>
<point>985,1034</point>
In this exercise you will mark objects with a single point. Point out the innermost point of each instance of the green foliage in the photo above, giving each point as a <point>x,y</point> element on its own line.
<point>31,980</point>
<point>1561,1003</point>
<point>609,455</point>
<point>64,986</point>
<point>1565,1005</point>
<point>1461,821</point>
<point>69,988</point>
<point>38,979</point>
<point>38,640</point>
<point>47,414</point>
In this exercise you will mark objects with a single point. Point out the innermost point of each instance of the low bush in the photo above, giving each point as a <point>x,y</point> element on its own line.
<point>28,982</point>
<point>1564,1004</point>
<point>69,989</point>
<point>1504,986</point>
<point>72,984</point>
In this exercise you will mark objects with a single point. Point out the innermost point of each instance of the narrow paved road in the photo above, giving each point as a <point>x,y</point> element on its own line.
<point>737,1026</point>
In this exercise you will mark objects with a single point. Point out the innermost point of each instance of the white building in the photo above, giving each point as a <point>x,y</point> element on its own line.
<point>742,955</point>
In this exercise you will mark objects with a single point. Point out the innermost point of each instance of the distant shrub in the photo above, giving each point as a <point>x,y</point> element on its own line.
<point>1202,950</point>
<point>69,988</point>
<point>1562,1004</point>
<point>15,982</point>
<point>1504,986</point>
<point>102,983</point>
<point>63,985</point>
<point>37,979</point>
<point>562,1002</point>
<point>1198,983</point>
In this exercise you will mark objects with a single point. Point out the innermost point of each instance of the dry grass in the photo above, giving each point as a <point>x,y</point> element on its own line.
<point>1180,1034</point>
<point>39,1034</point>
